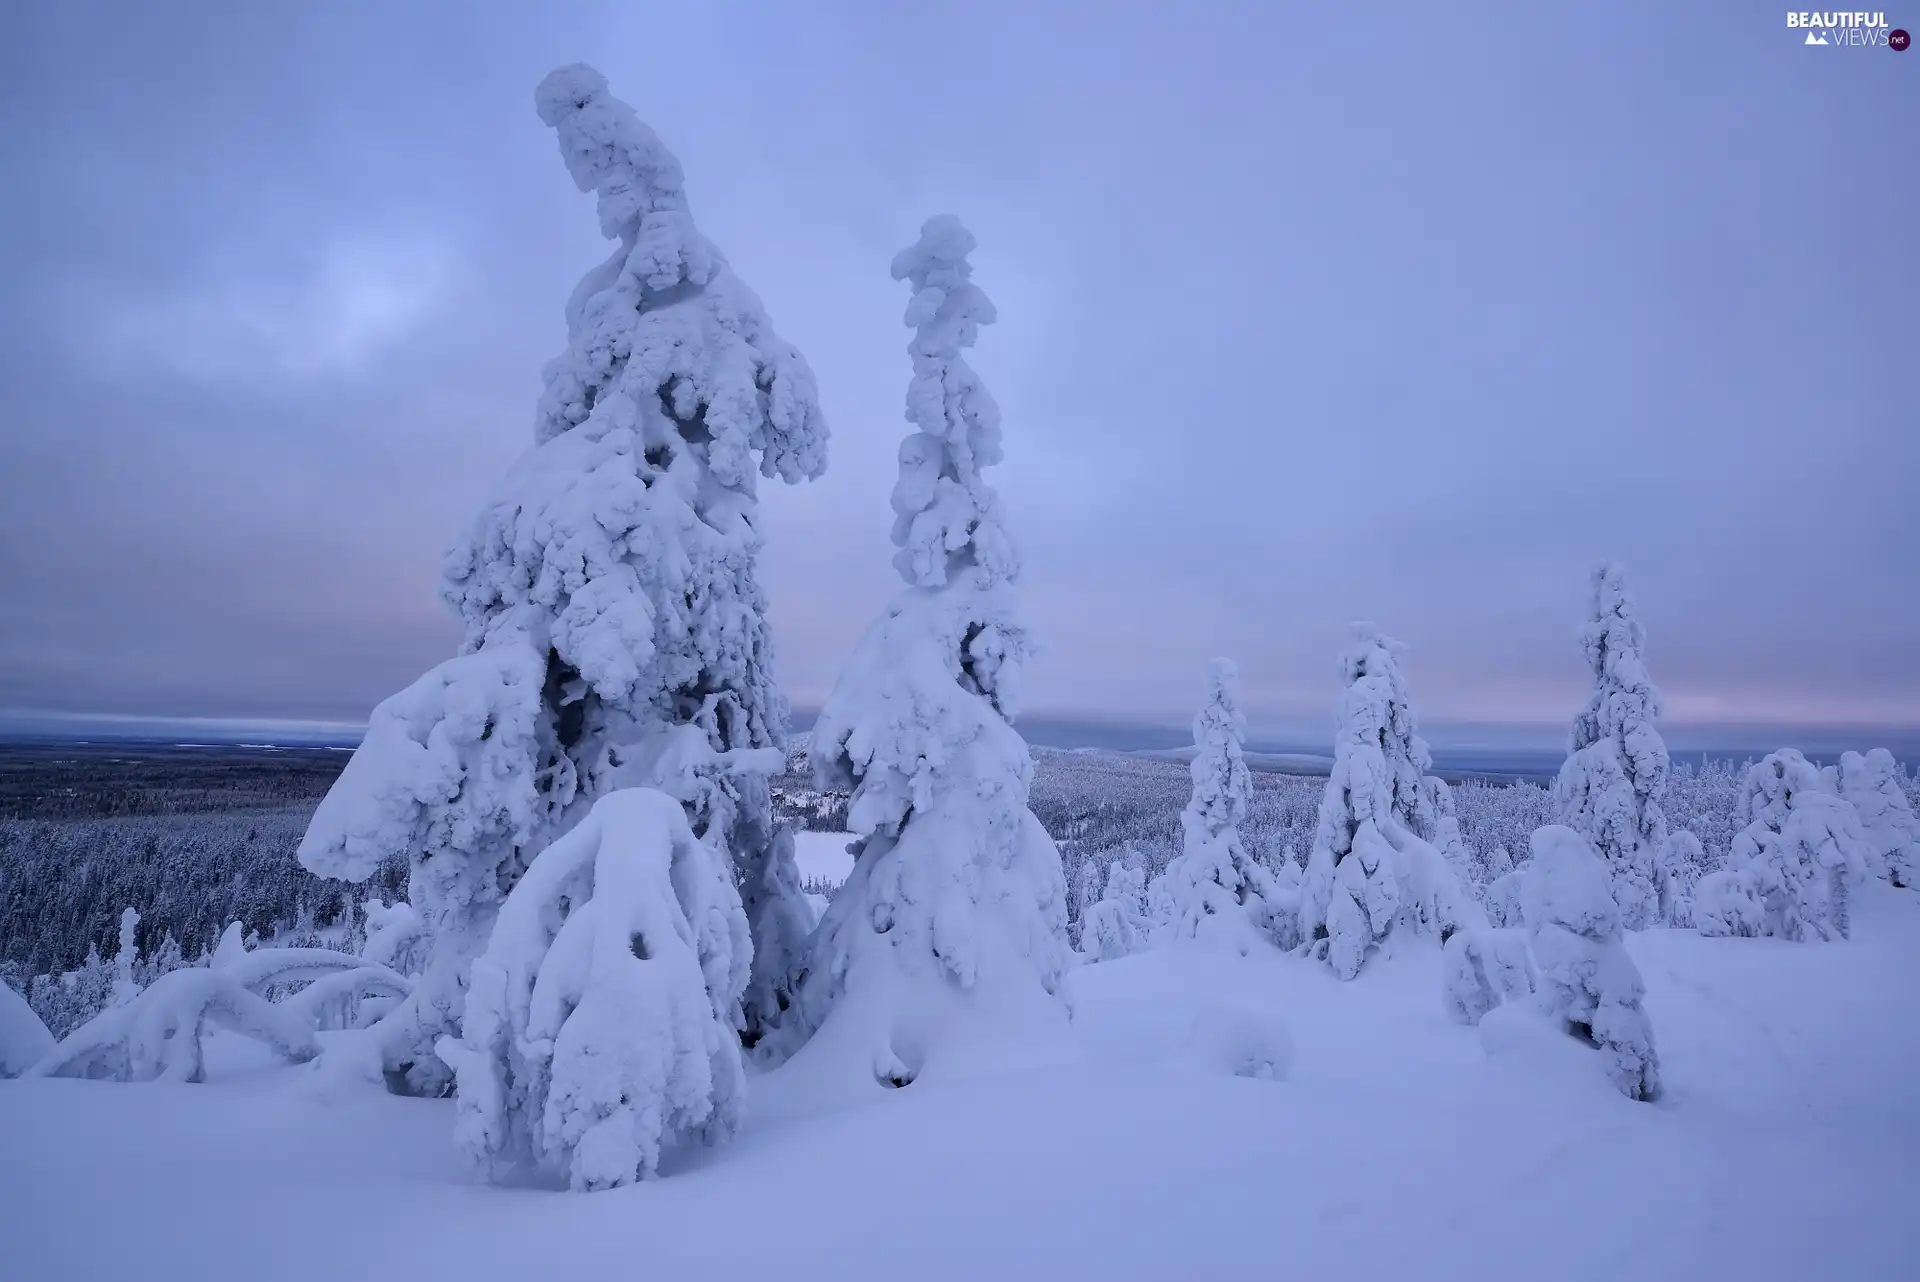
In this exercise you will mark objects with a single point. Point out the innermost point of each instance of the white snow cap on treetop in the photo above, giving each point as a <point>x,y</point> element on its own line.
<point>714,352</point>
<point>945,516</point>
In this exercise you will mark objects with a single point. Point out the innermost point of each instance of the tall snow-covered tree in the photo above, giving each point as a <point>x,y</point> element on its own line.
<point>616,634</point>
<point>1215,891</point>
<point>953,919</point>
<point>126,960</point>
<point>1610,786</point>
<point>1872,785</point>
<point>1370,865</point>
<point>1793,865</point>
<point>1587,980</point>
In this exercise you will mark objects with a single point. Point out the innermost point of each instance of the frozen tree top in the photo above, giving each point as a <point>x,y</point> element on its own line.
<point>1624,696</point>
<point>665,325</point>
<point>945,516</point>
<point>1218,770</point>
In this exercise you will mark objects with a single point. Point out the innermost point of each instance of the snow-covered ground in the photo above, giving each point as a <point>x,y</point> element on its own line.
<point>1395,1145</point>
<point>822,856</point>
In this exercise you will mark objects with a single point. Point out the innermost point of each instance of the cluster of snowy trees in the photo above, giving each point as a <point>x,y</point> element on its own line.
<point>604,924</point>
<point>605,919</point>
<point>1389,859</point>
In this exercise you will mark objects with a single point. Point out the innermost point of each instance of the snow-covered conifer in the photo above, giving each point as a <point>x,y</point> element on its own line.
<point>1215,891</point>
<point>599,1026</point>
<point>1501,901</point>
<point>1587,981</point>
<point>1115,924</point>
<point>1610,787</point>
<point>616,634</point>
<point>1794,863</point>
<point>1498,864</point>
<point>1872,784</point>
<point>955,911</point>
<point>1677,870</point>
<point>1370,865</point>
<point>1481,969</point>
<point>1445,835</point>
<point>126,959</point>
<point>164,960</point>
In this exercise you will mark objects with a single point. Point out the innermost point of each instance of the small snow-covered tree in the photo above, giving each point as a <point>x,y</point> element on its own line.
<point>1792,866</point>
<point>1370,867</point>
<point>616,633</point>
<point>599,1027</point>
<point>1587,981</point>
<point>1502,898</point>
<point>1610,787</point>
<point>1872,784</point>
<point>1480,969</point>
<point>955,912</point>
<point>1677,872</point>
<point>126,959</point>
<point>1216,892</point>
<point>1445,834</point>
<point>1115,925</point>
<point>1498,864</point>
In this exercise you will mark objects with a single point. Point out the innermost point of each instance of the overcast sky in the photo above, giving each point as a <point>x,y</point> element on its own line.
<point>1404,314</point>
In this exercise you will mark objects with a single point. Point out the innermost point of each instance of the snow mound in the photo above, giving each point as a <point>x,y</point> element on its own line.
<point>1242,1040</point>
<point>24,1040</point>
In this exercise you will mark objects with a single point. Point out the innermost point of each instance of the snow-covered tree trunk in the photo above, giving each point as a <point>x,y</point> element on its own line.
<point>1215,891</point>
<point>616,634</point>
<point>1370,867</point>
<point>1587,981</point>
<point>1872,785</point>
<point>1793,865</point>
<point>599,1029</point>
<point>1610,787</point>
<point>953,920</point>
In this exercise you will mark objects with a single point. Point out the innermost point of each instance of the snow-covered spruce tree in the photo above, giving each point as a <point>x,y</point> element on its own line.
<point>1587,981</point>
<point>126,959</point>
<point>616,634</point>
<point>1445,833</point>
<point>1216,893</point>
<point>1872,785</point>
<point>953,919</point>
<point>1792,866</point>
<point>1610,787</point>
<point>1677,875</point>
<point>599,1026</point>
<point>1480,969</point>
<point>1115,925</point>
<point>1370,867</point>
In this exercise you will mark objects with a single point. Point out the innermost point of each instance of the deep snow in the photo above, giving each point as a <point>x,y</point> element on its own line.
<point>1396,1144</point>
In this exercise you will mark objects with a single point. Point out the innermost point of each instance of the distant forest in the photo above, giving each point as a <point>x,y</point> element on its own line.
<point>196,838</point>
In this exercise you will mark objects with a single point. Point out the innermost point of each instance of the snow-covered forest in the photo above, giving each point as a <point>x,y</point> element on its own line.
<point>563,920</point>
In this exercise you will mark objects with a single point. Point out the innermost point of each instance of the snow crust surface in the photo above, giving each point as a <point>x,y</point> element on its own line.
<point>1393,1143</point>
